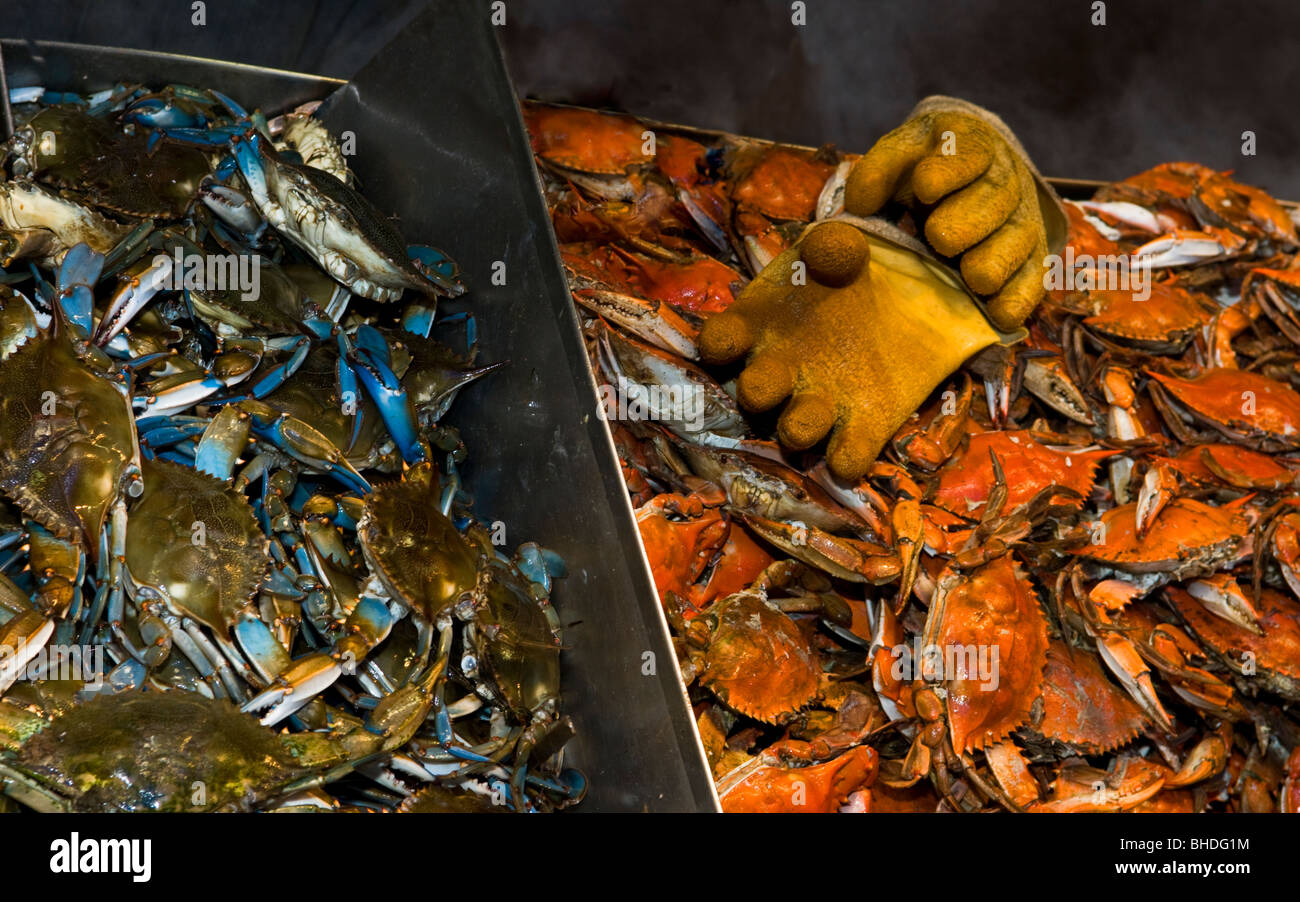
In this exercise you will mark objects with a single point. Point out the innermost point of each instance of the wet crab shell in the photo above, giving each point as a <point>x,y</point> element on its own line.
<point>758,661</point>
<point>515,643</point>
<point>1272,659</point>
<point>819,788</point>
<point>780,182</point>
<point>1029,467</point>
<point>585,141</point>
<point>1189,538</point>
<point>417,553</point>
<point>1246,407</point>
<point>67,438</point>
<point>211,576</point>
<point>149,751</point>
<point>992,607</point>
<point>1164,322</point>
<point>1081,707</point>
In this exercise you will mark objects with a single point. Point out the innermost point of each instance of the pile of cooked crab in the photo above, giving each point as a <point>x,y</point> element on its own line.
<point>1068,584</point>
<point>238,569</point>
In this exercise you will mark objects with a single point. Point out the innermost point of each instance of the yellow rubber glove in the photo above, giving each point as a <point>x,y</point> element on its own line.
<point>857,325</point>
<point>985,200</point>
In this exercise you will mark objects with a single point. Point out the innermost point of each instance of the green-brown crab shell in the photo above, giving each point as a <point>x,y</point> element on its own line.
<point>1273,658</point>
<point>106,167</point>
<point>758,661</point>
<point>169,751</point>
<point>1246,407</point>
<point>198,540</point>
<point>417,553</point>
<point>515,642</point>
<point>67,439</point>
<point>1189,538</point>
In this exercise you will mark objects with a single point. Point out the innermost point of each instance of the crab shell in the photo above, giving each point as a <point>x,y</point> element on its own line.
<point>1246,407</point>
<point>779,182</point>
<point>515,643</point>
<point>1189,538</point>
<point>417,553</point>
<point>145,751</point>
<point>1081,706</point>
<point>1028,466</point>
<point>1165,321</point>
<point>816,789</point>
<point>992,607</point>
<point>585,141</point>
<point>1273,658</point>
<point>759,661</point>
<point>210,579</point>
<point>67,439</point>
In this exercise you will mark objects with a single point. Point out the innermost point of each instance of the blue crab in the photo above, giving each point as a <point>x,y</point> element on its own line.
<point>180,751</point>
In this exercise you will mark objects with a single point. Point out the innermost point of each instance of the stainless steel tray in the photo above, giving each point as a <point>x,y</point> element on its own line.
<point>440,142</point>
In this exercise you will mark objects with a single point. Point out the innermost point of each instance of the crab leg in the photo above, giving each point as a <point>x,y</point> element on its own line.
<point>367,626</point>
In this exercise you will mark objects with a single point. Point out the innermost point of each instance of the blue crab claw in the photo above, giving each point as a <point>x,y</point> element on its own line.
<point>74,292</point>
<point>385,389</point>
<point>163,111</point>
<point>139,285</point>
<point>233,208</point>
<point>255,639</point>
<point>540,565</point>
<point>302,442</point>
<point>437,267</point>
<point>367,626</point>
<point>304,680</point>
<point>180,391</point>
<point>222,443</point>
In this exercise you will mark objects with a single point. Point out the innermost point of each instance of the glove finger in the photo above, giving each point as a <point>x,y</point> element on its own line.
<point>1018,298</point>
<point>969,216</point>
<point>987,266</point>
<point>874,178</point>
<point>805,421</point>
<point>724,337</point>
<point>961,154</point>
<point>854,446</point>
<point>765,383</point>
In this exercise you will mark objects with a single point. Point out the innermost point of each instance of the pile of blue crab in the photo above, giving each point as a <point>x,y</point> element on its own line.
<point>238,569</point>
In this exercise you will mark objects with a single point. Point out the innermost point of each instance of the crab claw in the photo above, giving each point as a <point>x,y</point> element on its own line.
<point>21,639</point>
<point>369,360</point>
<point>1220,594</point>
<point>367,626</point>
<point>77,276</point>
<point>302,442</point>
<point>1208,758</point>
<point>303,681</point>
<point>1122,657</point>
<point>1159,486</point>
<point>139,284</point>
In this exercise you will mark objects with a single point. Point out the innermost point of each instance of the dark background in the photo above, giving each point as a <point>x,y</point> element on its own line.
<point>1159,81</point>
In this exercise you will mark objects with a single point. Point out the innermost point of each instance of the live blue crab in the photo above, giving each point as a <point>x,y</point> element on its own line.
<point>221,488</point>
